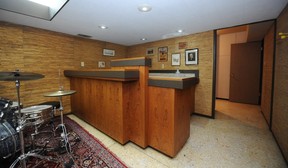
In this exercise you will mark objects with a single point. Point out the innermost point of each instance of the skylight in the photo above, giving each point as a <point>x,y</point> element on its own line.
<point>49,3</point>
<point>44,9</point>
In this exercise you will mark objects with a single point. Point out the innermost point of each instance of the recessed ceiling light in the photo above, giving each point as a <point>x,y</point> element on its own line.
<point>180,31</point>
<point>103,27</point>
<point>144,8</point>
<point>143,39</point>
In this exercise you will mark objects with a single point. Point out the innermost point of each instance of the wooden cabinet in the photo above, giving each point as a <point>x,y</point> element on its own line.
<point>169,118</point>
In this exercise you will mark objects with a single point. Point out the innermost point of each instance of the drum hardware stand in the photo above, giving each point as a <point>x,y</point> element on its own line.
<point>21,126</point>
<point>21,121</point>
<point>64,134</point>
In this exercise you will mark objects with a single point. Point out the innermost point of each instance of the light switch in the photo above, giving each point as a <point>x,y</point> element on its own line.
<point>82,64</point>
<point>101,64</point>
<point>162,66</point>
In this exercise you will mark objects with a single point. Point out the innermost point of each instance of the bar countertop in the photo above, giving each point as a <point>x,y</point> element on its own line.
<point>172,81</point>
<point>106,74</point>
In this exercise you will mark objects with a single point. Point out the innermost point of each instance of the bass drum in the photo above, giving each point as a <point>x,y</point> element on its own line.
<point>9,140</point>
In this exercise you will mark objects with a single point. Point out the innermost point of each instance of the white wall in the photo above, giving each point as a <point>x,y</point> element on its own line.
<point>223,61</point>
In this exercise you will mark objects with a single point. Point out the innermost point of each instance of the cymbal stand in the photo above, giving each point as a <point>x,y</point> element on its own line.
<point>64,133</point>
<point>21,125</point>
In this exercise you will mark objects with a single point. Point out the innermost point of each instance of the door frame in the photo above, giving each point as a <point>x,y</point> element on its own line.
<point>215,40</point>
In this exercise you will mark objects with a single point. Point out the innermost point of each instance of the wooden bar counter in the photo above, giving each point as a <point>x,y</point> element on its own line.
<point>102,100</point>
<point>124,103</point>
<point>171,101</point>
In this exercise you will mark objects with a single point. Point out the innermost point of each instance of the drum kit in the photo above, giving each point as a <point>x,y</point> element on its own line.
<point>14,120</point>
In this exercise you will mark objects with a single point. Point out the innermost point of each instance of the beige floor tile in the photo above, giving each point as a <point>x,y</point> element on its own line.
<point>135,158</point>
<point>238,137</point>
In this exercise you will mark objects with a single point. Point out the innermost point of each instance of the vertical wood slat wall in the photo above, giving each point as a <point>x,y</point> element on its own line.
<point>48,53</point>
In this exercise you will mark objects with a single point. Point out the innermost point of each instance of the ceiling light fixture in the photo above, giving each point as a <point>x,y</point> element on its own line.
<point>103,27</point>
<point>180,31</point>
<point>144,8</point>
<point>143,39</point>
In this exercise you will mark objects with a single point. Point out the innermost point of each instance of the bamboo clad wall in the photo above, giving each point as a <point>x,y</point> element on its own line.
<point>202,41</point>
<point>40,51</point>
<point>48,53</point>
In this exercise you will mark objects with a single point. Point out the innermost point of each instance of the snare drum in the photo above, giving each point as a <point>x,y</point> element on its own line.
<point>39,114</point>
<point>9,140</point>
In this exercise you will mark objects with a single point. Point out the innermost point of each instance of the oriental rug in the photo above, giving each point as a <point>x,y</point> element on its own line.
<point>86,150</point>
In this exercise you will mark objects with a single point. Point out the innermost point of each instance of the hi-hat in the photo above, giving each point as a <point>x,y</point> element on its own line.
<point>60,93</point>
<point>15,75</point>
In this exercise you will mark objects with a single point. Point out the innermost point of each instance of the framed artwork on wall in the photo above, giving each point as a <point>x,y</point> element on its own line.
<point>175,59</point>
<point>191,56</point>
<point>182,45</point>
<point>150,51</point>
<point>109,52</point>
<point>163,54</point>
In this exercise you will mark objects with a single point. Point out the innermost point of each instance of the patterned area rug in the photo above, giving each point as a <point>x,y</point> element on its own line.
<point>86,150</point>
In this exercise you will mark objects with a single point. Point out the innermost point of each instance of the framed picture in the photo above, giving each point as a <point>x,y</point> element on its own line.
<point>182,45</point>
<point>162,54</point>
<point>176,59</point>
<point>191,56</point>
<point>108,52</point>
<point>150,51</point>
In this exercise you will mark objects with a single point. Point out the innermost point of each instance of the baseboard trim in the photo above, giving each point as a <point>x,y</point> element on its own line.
<point>203,115</point>
<point>279,148</point>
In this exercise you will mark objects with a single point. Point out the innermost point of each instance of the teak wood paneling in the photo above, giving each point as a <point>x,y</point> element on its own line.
<point>137,111</point>
<point>169,118</point>
<point>132,110</point>
<point>123,103</point>
<point>102,103</point>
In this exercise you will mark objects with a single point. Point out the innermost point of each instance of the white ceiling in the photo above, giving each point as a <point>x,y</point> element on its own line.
<point>127,25</point>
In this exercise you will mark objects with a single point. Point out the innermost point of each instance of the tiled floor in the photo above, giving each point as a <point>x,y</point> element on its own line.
<point>238,137</point>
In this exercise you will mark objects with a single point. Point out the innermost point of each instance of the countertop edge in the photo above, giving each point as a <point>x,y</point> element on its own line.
<point>141,61</point>
<point>176,84</point>
<point>117,75</point>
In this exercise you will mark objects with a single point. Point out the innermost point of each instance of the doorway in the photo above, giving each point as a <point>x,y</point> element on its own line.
<point>237,36</point>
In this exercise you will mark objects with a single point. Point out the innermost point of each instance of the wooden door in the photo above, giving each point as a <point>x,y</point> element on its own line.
<point>245,72</point>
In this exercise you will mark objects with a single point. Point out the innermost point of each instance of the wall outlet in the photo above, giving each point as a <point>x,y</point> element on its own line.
<point>101,64</point>
<point>162,66</point>
<point>82,64</point>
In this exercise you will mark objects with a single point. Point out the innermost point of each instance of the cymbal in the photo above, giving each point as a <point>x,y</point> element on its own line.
<point>60,93</point>
<point>15,75</point>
